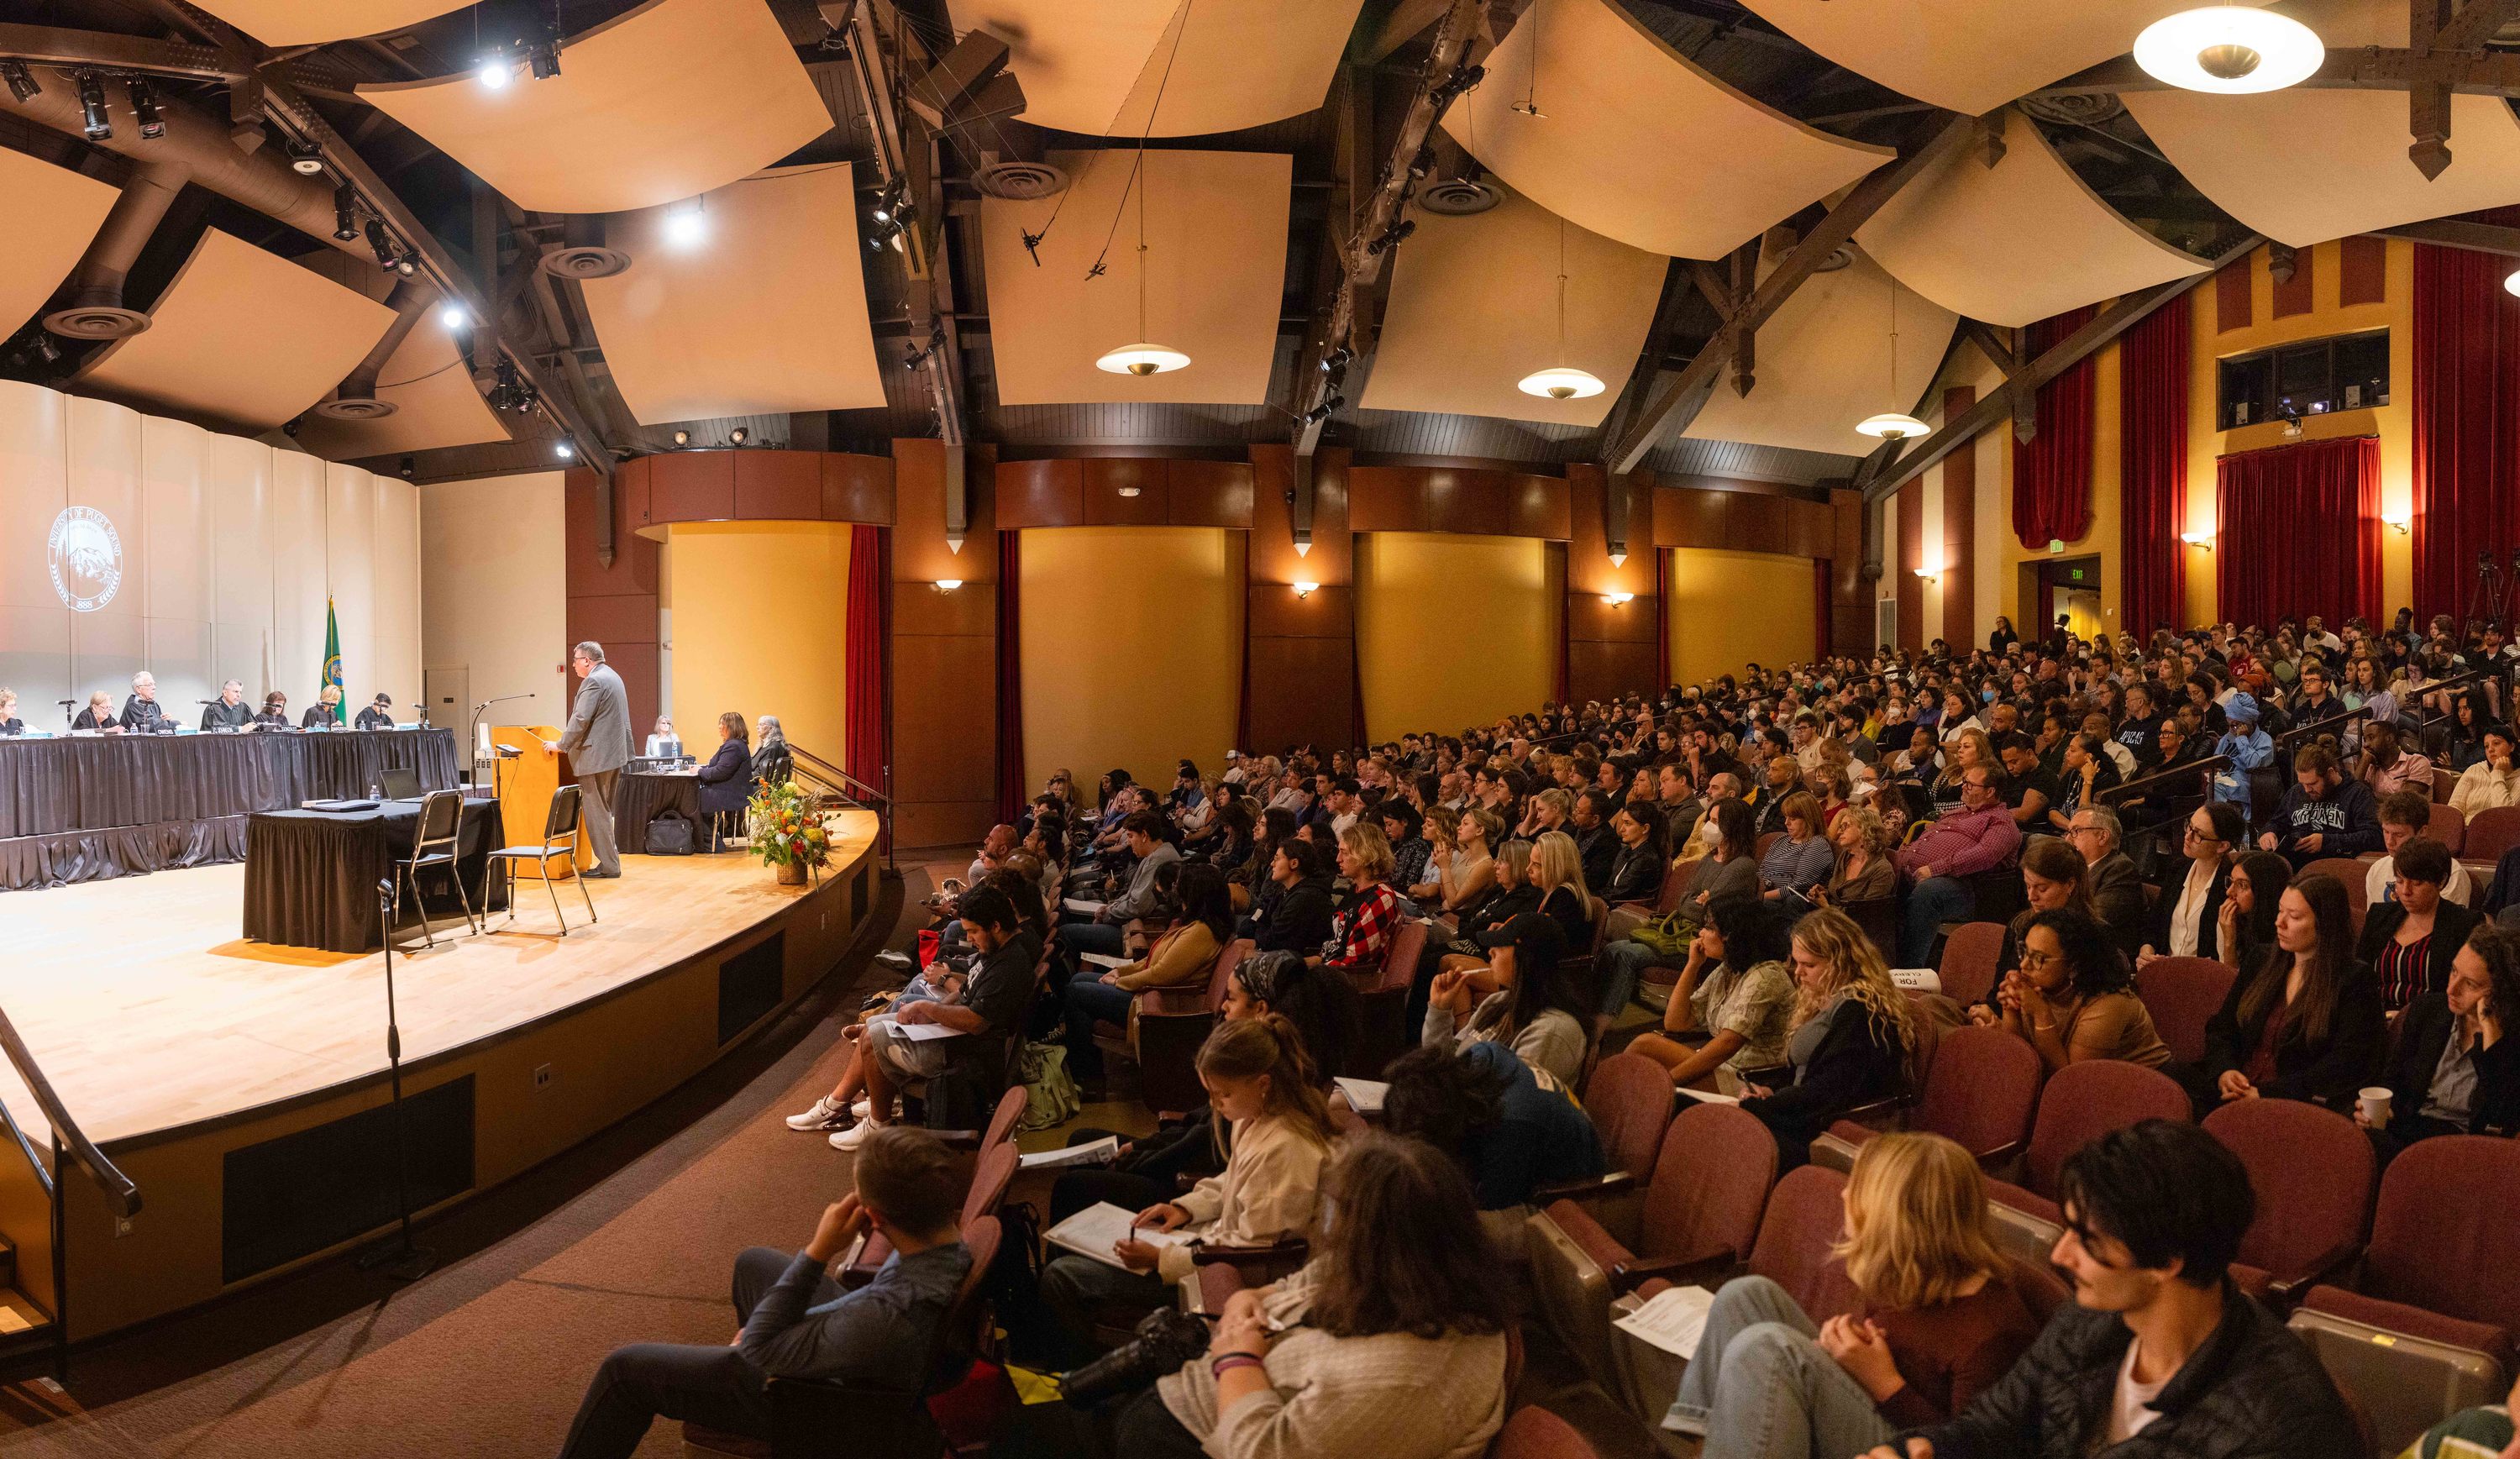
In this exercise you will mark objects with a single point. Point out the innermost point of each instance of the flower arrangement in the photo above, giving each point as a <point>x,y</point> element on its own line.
<point>788,829</point>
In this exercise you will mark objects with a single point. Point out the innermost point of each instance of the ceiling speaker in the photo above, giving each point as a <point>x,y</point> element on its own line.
<point>585,263</point>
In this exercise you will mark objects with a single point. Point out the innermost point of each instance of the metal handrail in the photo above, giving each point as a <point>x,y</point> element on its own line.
<point>850,787</point>
<point>70,1143</point>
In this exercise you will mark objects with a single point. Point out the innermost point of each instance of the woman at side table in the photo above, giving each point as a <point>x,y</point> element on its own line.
<point>726,781</point>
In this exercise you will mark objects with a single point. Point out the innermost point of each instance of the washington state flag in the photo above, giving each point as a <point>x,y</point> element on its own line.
<point>333,660</point>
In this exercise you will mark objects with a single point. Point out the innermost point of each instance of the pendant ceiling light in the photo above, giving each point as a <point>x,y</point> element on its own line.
<point>1145,357</point>
<point>2229,49</point>
<point>1560,381</point>
<point>1892,425</point>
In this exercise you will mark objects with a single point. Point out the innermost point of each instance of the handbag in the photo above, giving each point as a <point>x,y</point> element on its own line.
<point>670,835</point>
<point>1666,935</point>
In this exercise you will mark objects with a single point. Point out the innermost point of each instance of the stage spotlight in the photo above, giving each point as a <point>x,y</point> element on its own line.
<point>305,159</point>
<point>1462,79</point>
<point>95,121</point>
<point>144,107</point>
<point>21,81</point>
<point>454,316</point>
<point>681,438</point>
<point>380,244</point>
<point>406,265</point>
<point>739,435</point>
<point>345,213</point>
<point>544,61</point>
<point>686,224</point>
<point>495,71</point>
<point>565,451</point>
<point>406,468</point>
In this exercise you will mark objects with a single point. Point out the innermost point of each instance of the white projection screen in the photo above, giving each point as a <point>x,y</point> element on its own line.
<point>132,541</point>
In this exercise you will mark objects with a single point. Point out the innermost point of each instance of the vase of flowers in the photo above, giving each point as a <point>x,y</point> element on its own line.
<point>789,831</point>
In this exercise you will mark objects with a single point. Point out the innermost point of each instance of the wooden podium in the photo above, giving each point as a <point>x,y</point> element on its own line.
<point>525,784</point>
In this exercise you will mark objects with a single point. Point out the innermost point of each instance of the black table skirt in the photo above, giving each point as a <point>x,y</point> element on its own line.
<point>642,798</point>
<point>310,876</point>
<point>84,810</point>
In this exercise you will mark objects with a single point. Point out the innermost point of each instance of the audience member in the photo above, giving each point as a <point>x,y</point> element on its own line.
<point>2408,939</point>
<point>2159,1342</point>
<point>1488,1110</point>
<point>1849,1042</point>
<point>1737,991</point>
<point>1799,860</point>
<point>2244,926</point>
<point>2306,1023</point>
<point>1940,1322</point>
<point>2491,780</point>
<point>2186,920</point>
<point>1181,958</point>
<point>1537,1010</point>
<point>2451,1071</point>
<point>2322,813</point>
<point>1979,835</point>
<point>2073,997</point>
<point>2404,816</point>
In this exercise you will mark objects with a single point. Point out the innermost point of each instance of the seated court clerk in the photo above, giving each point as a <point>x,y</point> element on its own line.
<point>795,1321</point>
<point>2161,1354</point>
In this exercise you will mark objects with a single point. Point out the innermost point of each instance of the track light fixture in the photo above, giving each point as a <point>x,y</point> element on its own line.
<point>305,159</point>
<point>739,435</point>
<point>345,213</point>
<point>380,244</point>
<point>509,392</point>
<point>565,451</point>
<point>144,109</point>
<point>1337,360</point>
<point>21,81</point>
<point>681,438</point>
<point>544,61</point>
<point>687,224</point>
<point>495,70</point>
<point>95,121</point>
<point>406,265</point>
<point>406,468</point>
<point>1320,413</point>
<point>1392,237</point>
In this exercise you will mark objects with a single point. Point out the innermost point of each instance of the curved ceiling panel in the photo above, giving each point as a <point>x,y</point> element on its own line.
<point>311,22</point>
<point>668,100</point>
<point>1970,55</point>
<point>1823,364</point>
<point>243,335</point>
<point>1474,308</point>
<point>1636,143</point>
<point>1215,269</point>
<point>767,314</point>
<point>53,214</point>
<point>427,378</point>
<point>2016,242</point>
<point>2251,153</point>
<point>1096,68</point>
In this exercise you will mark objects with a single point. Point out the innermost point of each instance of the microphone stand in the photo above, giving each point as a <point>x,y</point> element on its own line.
<point>396,1256</point>
<point>472,735</point>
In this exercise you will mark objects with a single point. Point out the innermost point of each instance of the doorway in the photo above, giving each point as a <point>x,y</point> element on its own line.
<point>2061,586</point>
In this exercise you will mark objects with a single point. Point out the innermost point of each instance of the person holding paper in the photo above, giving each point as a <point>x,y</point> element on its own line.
<point>795,1321</point>
<point>1105,932</point>
<point>1389,1344</point>
<point>1260,1083</point>
<point>1180,958</point>
<point>1940,1320</point>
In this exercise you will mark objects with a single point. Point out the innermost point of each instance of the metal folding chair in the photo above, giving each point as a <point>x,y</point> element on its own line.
<point>560,842</point>
<point>441,827</point>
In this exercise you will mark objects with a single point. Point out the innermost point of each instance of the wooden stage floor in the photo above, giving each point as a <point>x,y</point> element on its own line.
<point>147,1010</point>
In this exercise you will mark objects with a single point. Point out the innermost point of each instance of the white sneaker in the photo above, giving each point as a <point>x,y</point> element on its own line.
<point>826,1113</point>
<point>853,1136</point>
<point>860,1108</point>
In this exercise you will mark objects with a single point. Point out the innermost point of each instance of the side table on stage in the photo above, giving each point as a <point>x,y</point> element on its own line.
<point>525,781</point>
<point>310,876</point>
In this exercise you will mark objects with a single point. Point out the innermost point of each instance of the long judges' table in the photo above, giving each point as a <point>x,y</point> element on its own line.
<point>84,810</point>
<point>310,876</point>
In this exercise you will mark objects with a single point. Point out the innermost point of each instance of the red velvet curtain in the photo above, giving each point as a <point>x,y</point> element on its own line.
<point>2300,531</point>
<point>2051,475</point>
<point>2154,369</point>
<point>2467,420</point>
<point>867,754</point>
<point>1011,735</point>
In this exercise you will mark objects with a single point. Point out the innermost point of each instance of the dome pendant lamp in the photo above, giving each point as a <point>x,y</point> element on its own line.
<point>1146,357</point>
<point>1561,381</point>
<point>2229,49</point>
<point>1892,425</point>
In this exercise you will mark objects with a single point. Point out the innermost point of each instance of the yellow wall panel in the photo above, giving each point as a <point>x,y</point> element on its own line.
<point>761,625</point>
<point>1730,609</point>
<point>1454,630</point>
<point>1132,638</point>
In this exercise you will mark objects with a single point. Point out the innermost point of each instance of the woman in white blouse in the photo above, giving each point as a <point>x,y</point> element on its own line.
<point>2185,919</point>
<point>2490,782</point>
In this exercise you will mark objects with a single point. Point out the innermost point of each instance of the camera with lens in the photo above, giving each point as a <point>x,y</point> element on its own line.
<point>1164,1340</point>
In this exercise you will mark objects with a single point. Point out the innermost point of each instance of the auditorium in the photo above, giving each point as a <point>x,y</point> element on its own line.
<point>1260,729</point>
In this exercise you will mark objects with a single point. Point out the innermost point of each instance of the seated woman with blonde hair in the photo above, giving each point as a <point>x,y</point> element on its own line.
<point>1851,1040</point>
<point>1940,1322</point>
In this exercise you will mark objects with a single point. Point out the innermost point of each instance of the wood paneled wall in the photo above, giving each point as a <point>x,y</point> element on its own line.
<point>1959,529</point>
<point>616,606</point>
<point>755,485</point>
<point>944,652</point>
<point>1611,648</point>
<point>1299,653</point>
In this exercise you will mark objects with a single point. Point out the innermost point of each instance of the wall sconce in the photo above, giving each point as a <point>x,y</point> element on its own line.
<point>1618,600</point>
<point>2399,521</point>
<point>2203,540</point>
<point>1305,589</point>
<point>948,585</point>
<point>1930,574</point>
<point>1129,491</point>
<point>1619,557</point>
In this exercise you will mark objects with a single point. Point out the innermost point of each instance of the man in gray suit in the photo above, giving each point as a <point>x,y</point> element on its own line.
<point>597,741</point>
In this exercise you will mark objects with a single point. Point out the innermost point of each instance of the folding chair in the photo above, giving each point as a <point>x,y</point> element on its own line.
<point>441,823</point>
<point>559,843</point>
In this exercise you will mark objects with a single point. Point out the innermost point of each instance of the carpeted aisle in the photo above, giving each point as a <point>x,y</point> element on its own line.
<point>488,1354</point>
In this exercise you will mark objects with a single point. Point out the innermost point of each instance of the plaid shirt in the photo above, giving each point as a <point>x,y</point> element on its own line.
<point>1361,933</point>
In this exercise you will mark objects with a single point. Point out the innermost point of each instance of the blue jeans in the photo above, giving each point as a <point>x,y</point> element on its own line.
<point>1616,971</point>
<point>1930,904</point>
<point>1090,999</point>
<point>1761,1387</point>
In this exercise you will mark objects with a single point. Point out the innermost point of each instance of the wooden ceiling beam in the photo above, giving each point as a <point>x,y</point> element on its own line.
<point>2022,385</point>
<point>1679,403</point>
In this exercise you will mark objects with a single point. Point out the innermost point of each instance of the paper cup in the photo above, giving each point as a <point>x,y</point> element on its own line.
<point>2375,1105</point>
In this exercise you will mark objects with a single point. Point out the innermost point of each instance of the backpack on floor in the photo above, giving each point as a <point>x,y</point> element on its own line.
<point>1050,1090</point>
<point>670,835</point>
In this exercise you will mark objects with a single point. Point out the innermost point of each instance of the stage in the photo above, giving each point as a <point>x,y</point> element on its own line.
<point>242,1085</point>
